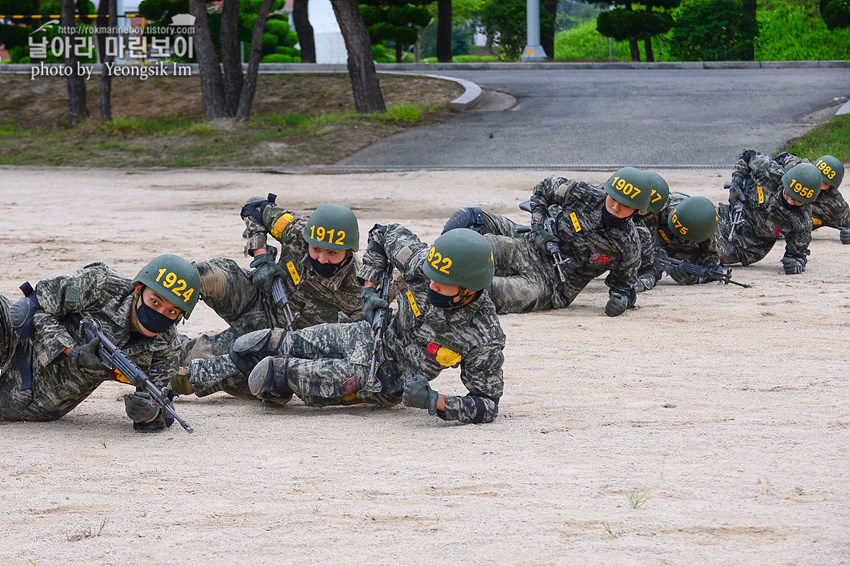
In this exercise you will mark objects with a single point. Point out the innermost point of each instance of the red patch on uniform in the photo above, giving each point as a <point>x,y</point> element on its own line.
<point>778,230</point>
<point>432,348</point>
<point>601,259</point>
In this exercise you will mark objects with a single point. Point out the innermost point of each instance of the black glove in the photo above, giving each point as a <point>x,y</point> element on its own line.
<point>254,208</point>
<point>680,276</point>
<point>370,303</point>
<point>542,237</point>
<point>645,282</point>
<point>793,265</point>
<point>736,194</point>
<point>140,407</point>
<point>617,304</point>
<point>844,234</point>
<point>265,270</point>
<point>86,355</point>
<point>418,394</point>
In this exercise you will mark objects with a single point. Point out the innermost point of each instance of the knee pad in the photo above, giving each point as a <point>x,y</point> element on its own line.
<point>470,217</point>
<point>247,350</point>
<point>268,380</point>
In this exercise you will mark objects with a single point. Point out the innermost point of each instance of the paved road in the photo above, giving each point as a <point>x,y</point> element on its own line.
<point>608,118</point>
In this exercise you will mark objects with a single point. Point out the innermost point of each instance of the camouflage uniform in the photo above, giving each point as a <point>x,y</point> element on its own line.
<point>329,364</point>
<point>829,208</point>
<point>657,229</point>
<point>765,217</point>
<point>228,289</point>
<point>527,280</point>
<point>57,385</point>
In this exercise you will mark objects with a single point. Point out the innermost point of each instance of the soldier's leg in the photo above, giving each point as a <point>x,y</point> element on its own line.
<point>325,364</point>
<point>482,222</point>
<point>228,290</point>
<point>520,284</point>
<point>8,338</point>
<point>229,372</point>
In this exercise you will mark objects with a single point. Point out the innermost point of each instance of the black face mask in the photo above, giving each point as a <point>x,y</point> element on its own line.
<point>152,320</point>
<point>441,301</point>
<point>328,269</point>
<point>612,221</point>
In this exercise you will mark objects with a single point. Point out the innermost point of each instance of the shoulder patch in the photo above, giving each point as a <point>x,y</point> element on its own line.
<point>562,190</point>
<point>72,295</point>
<point>403,255</point>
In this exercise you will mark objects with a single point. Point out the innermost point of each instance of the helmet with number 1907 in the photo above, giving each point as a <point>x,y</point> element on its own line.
<point>631,187</point>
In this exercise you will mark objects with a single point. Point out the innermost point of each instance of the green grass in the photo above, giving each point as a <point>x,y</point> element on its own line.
<point>831,138</point>
<point>153,141</point>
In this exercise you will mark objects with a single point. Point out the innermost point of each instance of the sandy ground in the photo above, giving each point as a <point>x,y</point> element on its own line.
<point>708,426</point>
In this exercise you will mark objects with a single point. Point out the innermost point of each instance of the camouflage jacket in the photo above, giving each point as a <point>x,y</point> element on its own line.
<point>318,299</point>
<point>766,210</point>
<point>584,238</point>
<point>423,339</point>
<point>829,208</point>
<point>105,295</point>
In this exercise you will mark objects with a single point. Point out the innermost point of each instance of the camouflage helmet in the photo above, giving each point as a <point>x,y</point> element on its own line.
<point>631,187</point>
<point>460,257</point>
<point>802,182</point>
<point>831,169</point>
<point>333,227</point>
<point>694,219</point>
<point>660,192</point>
<point>174,279</point>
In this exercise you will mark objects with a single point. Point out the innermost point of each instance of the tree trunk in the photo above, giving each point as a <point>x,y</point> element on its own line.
<point>304,29</point>
<point>246,99</point>
<point>77,110</point>
<point>633,48</point>
<point>444,31</point>
<point>106,15</point>
<point>361,64</point>
<point>230,56</point>
<point>548,13</point>
<point>399,55</point>
<point>750,7</point>
<point>647,46</point>
<point>212,86</point>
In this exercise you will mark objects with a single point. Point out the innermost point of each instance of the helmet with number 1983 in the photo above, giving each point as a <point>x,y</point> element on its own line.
<point>333,227</point>
<point>461,257</point>
<point>631,187</point>
<point>174,279</point>
<point>832,170</point>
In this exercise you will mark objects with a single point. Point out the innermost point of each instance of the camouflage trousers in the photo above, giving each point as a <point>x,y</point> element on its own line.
<point>228,290</point>
<point>55,390</point>
<point>326,364</point>
<point>745,247</point>
<point>524,280</point>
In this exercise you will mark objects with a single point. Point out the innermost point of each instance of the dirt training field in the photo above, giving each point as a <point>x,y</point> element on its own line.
<point>710,425</point>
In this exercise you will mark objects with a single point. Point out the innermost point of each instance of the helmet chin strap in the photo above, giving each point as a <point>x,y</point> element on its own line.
<point>133,317</point>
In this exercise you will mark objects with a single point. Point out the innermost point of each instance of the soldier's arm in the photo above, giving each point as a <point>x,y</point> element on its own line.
<point>798,238</point>
<point>546,193</point>
<point>263,219</point>
<point>60,296</point>
<point>165,360</point>
<point>481,373</point>
<point>393,243</point>
<point>789,160</point>
<point>832,210</point>
<point>647,250</point>
<point>621,278</point>
<point>742,168</point>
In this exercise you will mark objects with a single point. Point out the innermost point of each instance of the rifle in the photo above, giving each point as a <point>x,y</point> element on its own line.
<point>115,359</point>
<point>279,296</point>
<point>552,247</point>
<point>379,323</point>
<point>738,208</point>
<point>663,262</point>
